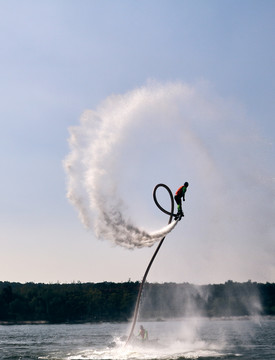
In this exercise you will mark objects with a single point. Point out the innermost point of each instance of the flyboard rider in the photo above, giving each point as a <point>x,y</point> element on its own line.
<point>143,334</point>
<point>180,194</point>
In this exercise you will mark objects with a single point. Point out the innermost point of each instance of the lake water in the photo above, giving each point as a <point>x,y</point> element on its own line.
<point>202,339</point>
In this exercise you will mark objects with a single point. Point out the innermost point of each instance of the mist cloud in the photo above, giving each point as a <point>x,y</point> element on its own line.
<point>94,162</point>
<point>174,133</point>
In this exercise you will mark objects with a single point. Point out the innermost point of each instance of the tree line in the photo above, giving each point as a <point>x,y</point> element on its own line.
<point>108,301</point>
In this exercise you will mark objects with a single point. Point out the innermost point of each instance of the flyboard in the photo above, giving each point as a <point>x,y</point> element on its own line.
<point>171,216</point>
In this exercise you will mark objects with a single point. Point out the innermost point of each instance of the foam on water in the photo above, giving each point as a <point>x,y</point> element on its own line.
<point>179,349</point>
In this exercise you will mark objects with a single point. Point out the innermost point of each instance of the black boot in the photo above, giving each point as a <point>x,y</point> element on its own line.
<point>179,215</point>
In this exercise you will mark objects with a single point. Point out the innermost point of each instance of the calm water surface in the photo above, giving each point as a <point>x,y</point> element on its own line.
<point>186,339</point>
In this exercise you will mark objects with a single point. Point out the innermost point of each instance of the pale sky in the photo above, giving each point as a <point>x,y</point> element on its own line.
<point>61,58</point>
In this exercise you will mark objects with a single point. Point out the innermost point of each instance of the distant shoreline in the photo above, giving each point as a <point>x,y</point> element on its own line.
<point>42,322</point>
<point>114,302</point>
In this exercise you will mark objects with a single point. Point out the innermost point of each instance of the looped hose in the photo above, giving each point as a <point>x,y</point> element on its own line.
<point>171,213</point>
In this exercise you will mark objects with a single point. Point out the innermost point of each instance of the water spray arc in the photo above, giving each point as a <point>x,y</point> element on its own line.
<point>171,214</point>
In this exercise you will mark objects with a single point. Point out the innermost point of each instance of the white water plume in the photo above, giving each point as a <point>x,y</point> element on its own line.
<point>173,133</point>
<point>93,163</point>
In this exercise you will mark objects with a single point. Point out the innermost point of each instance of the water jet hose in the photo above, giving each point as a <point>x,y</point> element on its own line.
<point>171,214</point>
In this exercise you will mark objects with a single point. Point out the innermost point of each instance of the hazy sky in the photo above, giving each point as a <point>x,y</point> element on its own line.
<point>193,82</point>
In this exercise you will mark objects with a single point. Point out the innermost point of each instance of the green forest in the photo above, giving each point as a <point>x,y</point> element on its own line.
<point>108,301</point>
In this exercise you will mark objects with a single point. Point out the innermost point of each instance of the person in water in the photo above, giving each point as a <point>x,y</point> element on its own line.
<point>180,194</point>
<point>143,333</point>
